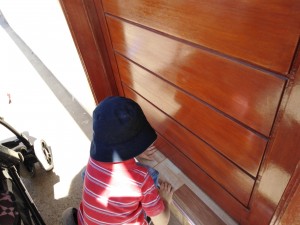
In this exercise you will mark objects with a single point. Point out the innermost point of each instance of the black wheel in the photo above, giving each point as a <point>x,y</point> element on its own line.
<point>47,152</point>
<point>44,154</point>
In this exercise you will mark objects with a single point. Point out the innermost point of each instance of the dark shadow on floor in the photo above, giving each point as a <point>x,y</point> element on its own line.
<point>51,209</point>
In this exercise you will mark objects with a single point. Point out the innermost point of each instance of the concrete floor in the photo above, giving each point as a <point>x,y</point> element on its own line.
<point>42,107</point>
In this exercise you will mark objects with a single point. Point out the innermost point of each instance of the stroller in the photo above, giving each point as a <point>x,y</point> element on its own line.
<point>16,205</point>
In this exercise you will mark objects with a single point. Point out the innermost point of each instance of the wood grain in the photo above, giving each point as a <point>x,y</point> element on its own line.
<point>90,50</point>
<point>247,94</point>
<point>219,168</point>
<point>250,38</point>
<point>196,210</point>
<point>261,32</point>
<point>288,209</point>
<point>281,160</point>
<point>237,143</point>
<point>223,198</point>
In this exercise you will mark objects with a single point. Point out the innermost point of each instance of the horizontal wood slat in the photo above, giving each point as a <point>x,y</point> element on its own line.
<point>200,178</point>
<point>249,95</point>
<point>236,142</point>
<point>261,32</point>
<point>225,173</point>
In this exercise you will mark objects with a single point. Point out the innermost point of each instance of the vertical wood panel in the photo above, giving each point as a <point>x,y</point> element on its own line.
<point>106,41</point>
<point>98,73</point>
<point>288,210</point>
<point>281,160</point>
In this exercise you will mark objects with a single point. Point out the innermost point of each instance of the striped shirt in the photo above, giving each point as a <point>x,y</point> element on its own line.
<point>118,193</point>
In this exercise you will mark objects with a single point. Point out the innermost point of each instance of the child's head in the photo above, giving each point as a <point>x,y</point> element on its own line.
<point>121,130</point>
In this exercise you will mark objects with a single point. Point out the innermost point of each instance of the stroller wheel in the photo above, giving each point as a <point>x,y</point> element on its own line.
<point>44,154</point>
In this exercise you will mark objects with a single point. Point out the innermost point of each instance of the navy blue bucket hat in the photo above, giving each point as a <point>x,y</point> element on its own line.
<point>121,130</point>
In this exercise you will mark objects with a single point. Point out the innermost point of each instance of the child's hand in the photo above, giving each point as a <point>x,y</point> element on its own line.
<point>166,191</point>
<point>148,153</point>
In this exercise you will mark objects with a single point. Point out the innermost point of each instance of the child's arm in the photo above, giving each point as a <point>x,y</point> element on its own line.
<point>166,193</point>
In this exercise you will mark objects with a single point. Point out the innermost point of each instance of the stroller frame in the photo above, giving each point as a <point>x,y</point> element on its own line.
<point>9,159</point>
<point>28,150</point>
<point>19,150</point>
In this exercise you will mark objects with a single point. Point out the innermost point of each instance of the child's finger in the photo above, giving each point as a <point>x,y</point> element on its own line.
<point>151,149</point>
<point>150,153</point>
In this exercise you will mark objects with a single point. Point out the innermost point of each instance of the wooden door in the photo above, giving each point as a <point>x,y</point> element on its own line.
<point>215,79</point>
